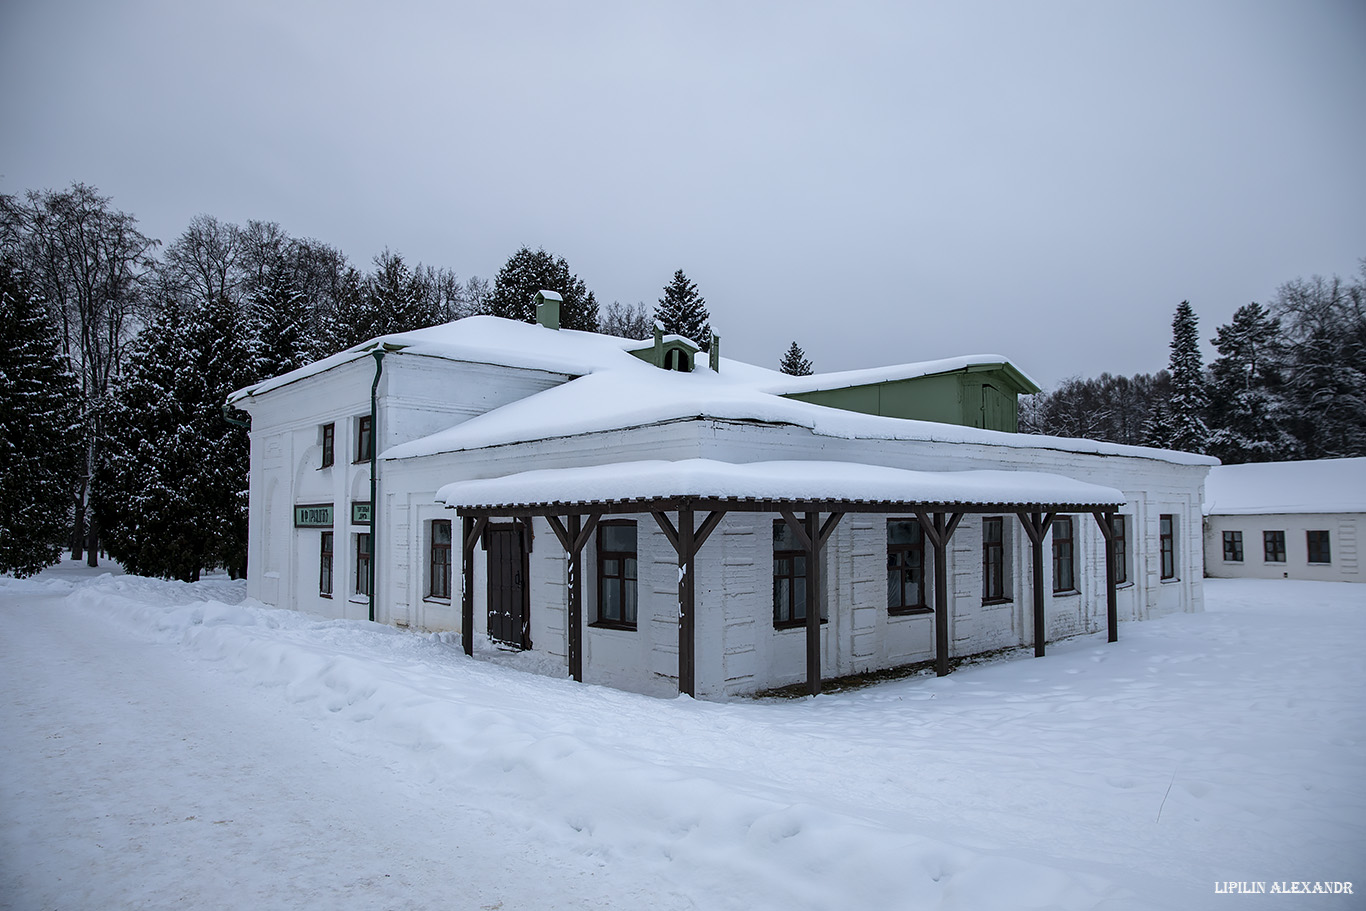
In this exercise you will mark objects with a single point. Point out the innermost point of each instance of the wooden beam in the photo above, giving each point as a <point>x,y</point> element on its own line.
<point>798,529</point>
<point>558,528</point>
<point>828,526</point>
<point>708,526</point>
<point>667,527</point>
<point>1103,519</point>
<point>590,525</point>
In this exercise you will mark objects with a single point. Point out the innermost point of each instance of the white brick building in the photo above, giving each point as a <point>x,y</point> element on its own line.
<point>1286,520</point>
<point>487,399</point>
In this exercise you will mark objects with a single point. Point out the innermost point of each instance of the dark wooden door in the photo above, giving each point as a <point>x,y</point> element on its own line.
<point>508,596</point>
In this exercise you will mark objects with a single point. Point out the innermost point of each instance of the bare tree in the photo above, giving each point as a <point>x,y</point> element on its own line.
<point>626,320</point>
<point>89,262</point>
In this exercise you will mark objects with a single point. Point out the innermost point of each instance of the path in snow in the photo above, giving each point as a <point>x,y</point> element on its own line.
<point>165,746</point>
<point>133,778</point>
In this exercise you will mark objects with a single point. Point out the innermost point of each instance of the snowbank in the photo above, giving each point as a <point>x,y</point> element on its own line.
<point>1200,748</point>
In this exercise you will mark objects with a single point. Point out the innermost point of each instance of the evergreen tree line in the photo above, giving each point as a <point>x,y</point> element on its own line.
<point>112,390</point>
<point>1288,382</point>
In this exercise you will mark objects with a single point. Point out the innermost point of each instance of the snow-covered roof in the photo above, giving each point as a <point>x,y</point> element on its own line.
<point>820,382</point>
<point>845,482</point>
<point>612,399</point>
<point>611,389</point>
<point>1268,488</point>
<point>490,340</point>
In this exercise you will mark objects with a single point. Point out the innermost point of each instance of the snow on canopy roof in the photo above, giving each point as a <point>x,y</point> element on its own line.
<point>820,382</point>
<point>492,340</point>
<point>782,480</point>
<point>1268,488</point>
<point>609,400</point>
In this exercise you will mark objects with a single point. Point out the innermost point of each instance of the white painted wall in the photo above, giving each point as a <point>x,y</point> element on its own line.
<point>1345,533</point>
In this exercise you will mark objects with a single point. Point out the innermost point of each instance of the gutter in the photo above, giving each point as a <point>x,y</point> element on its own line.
<point>227,416</point>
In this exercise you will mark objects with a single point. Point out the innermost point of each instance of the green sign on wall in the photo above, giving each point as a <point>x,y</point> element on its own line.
<point>360,513</point>
<point>315,516</point>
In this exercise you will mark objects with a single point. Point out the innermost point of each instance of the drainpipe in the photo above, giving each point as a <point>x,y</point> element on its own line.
<point>374,462</point>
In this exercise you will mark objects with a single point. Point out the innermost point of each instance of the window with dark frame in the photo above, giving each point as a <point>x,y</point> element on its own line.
<point>439,565</point>
<point>363,563</point>
<point>1064,556</point>
<point>365,439</point>
<point>617,567</point>
<point>1319,549</point>
<point>993,560</point>
<point>905,567</point>
<point>1119,527</point>
<point>1233,547</point>
<point>325,565</point>
<point>1166,534</point>
<point>329,442</point>
<point>789,577</point>
<point>1273,546</point>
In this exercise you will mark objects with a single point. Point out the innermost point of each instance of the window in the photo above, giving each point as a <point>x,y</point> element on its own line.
<point>1233,547</point>
<point>789,577</point>
<point>1119,527</point>
<point>329,441</point>
<point>365,440</point>
<point>325,566</point>
<point>1273,546</point>
<point>1064,556</point>
<point>905,567</point>
<point>1319,551</point>
<point>439,565</point>
<point>617,574</point>
<point>993,560</point>
<point>1166,534</point>
<point>363,564</point>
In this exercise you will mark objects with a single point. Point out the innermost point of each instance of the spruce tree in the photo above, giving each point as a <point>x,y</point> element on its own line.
<point>173,476</point>
<point>528,271</point>
<point>395,298</point>
<point>1186,407</point>
<point>278,314</point>
<point>794,362</point>
<point>1324,324</point>
<point>1247,408</point>
<point>683,311</point>
<point>146,474</point>
<point>42,448</point>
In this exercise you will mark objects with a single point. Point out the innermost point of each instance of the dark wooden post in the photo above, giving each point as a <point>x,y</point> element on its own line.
<point>574,538</point>
<point>686,541</point>
<point>1036,526</point>
<point>470,529</point>
<point>939,530</point>
<point>574,612</point>
<point>812,537</point>
<point>1107,530</point>
<point>687,604</point>
<point>813,604</point>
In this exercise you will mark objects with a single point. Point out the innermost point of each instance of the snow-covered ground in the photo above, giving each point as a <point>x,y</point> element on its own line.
<point>171,745</point>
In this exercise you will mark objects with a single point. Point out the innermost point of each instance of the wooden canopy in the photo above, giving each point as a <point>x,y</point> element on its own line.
<point>677,500</point>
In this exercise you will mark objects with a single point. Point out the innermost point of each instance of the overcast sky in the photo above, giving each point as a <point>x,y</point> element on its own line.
<point>879,182</point>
